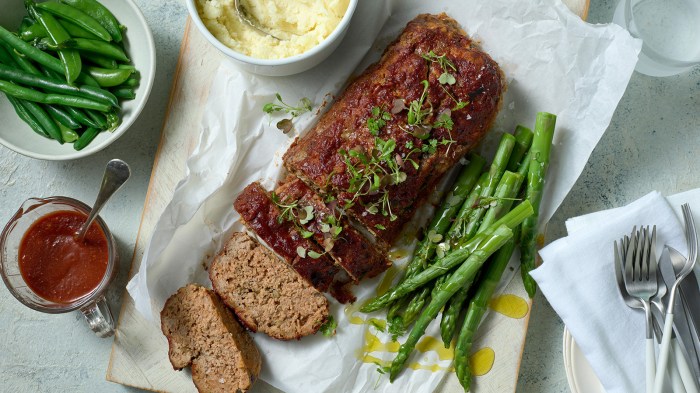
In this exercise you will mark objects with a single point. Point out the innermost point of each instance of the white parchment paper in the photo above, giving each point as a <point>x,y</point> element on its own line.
<point>553,62</point>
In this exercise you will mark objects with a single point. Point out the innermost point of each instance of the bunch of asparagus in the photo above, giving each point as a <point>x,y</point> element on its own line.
<point>471,239</point>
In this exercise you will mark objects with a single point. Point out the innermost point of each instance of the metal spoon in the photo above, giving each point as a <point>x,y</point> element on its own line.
<point>250,20</point>
<point>116,174</point>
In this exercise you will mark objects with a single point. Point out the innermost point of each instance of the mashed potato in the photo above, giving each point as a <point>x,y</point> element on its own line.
<point>300,24</point>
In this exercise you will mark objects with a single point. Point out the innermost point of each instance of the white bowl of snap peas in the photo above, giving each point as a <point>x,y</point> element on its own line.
<point>96,115</point>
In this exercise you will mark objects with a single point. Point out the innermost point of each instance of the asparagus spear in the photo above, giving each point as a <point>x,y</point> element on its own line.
<point>441,221</point>
<point>523,140</point>
<point>539,161</point>
<point>505,192</point>
<point>512,219</point>
<point>464,274</point>
<point>417,301</point>
<point>477,308</point>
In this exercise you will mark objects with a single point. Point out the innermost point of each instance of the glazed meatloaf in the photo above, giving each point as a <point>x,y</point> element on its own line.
<point>351,250</point>
<point>397,128</point>
<point>265,294</point>
<point>202,332</point>
<point>263,216</point>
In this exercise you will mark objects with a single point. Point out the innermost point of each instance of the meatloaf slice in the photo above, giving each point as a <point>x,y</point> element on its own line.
<point>359,256</point>
<point>336,149</point>
<point>265,294</point>
<point>203,333</point>
<point>262,216</point>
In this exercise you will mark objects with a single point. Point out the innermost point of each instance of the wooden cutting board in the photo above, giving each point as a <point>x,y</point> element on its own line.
<point>139,353</point>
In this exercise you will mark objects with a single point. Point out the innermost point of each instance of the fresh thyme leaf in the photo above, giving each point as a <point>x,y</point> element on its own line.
<point>313,254</point>
<point>396,327</point>
<point>380,227</point>
<point>328,327</point>
<point>306,234</point>
<point>301,251</point>
<point>447,79</point>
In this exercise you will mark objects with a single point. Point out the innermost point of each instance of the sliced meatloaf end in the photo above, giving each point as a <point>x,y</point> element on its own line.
<point>359,256</point>
<point>263,217</point>
<point>265,293</point>
<point>202,332</point>
<point>322,157</point>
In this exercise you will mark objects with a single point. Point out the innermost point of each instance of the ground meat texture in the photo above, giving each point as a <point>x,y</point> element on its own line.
<point>315,157</point>
<point>262,216</point>
<point>202,332</point>
<point>265,293</point>
<point>359,256</point>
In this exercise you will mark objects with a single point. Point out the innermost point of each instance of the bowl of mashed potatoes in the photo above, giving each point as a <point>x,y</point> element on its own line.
<point>287,37</point>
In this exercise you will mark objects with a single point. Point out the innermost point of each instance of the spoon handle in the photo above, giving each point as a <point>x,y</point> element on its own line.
<point>116,174</point>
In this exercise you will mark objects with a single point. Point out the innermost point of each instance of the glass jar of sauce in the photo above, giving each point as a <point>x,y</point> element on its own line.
<point>47,269</point>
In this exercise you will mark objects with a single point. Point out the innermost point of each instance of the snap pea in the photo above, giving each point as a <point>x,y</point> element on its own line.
<point>62,118</point>
<point>98,118</point>
<point>109,78</point>
<point>37,96</point>
<point>86,138</point>
<point>27,117</point>
<point>85,45</point>
<point>125,93</point>
<point>44,119</point>
<point>76,16</point>
<point>131,82</point>
<point>101,14</point>
<point>70,58</point>
<point>38,31</point>
<point>100,61</point>
<point>67,134</point>
<point>53,85</point>
<point>30,51</point>
<point>80,116</point>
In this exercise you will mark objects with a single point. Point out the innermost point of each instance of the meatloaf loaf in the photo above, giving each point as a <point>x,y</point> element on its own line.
<point>265,294</point>
<point>202,332</point>
<point>433,71</point>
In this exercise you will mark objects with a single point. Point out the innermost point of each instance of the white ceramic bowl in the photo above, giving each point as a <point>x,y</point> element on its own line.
<point>280,67</point>
<point>16,135</point>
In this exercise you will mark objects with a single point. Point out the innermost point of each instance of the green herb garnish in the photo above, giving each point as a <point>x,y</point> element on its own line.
<point>328,327</point>
<point>285,125</point>
<point>446,78</point>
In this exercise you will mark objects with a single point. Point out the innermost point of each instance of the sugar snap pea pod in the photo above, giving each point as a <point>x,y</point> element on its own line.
<point>28,94</point>
<point>512,219</point>
<point>101,14</point>
<point>33,32</point>
<point>539,161</point>
<point>81,117</point>
<point>86,138</point>
<point>68,135</point>
<point>523,140</point>
<point>62,118</point>
<point>109,78</point>
<point>53,85</point>
<point>27,117</point>
<point>98,118</point>
<point>85,45</point>
<point>125,93</point>
<point>30,51</point>
<point>505,193</point>
<point>100,61</point>
<point>76,16</point>
<point>70,58</point>
<point>37,31</point>
<point>44,119</point>
<point>477,307</point>
<point>129,67</point>
<point>131,82</point>
<point>463,276</point>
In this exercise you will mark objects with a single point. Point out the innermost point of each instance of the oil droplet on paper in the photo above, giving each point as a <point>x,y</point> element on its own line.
<point>481,361</point>
<point>350,312</point>
<point>398,253</point>
<point>387,280</point>
<point>509,305</point>
<point>429,343</point>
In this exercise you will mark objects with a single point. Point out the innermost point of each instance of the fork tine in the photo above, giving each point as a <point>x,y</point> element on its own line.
<point>653,262</point>
<point>629,257</point>
<point>645,254</point>
<point>639,256</point>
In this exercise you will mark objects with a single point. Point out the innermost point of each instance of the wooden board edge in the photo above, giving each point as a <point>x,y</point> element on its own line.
<point>151,185</point>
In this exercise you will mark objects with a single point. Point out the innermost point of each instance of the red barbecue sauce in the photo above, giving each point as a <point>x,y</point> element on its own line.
<point>55,265</point>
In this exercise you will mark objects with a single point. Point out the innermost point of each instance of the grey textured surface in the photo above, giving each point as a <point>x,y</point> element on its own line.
<point>651,144</point>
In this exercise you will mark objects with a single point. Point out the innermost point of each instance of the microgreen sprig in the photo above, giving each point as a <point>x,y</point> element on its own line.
<point>286,124</point>
<point>446,77</point>
<point>416,113</point>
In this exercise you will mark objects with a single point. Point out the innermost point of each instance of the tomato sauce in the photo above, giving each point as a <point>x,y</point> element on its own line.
<point>55,265</point>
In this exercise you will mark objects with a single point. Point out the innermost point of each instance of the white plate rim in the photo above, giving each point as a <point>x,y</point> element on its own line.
<point>579,374</point>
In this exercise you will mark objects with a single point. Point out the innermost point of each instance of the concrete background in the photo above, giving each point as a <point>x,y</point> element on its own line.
<point>650,144</point>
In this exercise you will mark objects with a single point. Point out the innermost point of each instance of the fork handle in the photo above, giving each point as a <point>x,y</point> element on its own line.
<point>684,370</point>
<point>651,366</point>
<point>663,354</point>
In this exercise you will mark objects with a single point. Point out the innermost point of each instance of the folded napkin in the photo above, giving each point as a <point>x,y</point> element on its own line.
<point>578,280</point>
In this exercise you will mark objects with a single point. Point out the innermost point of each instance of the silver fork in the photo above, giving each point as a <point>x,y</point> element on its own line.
<point>641,282</point>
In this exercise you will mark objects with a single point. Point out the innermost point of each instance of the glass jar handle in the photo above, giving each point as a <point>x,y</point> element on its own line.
<point>99,317</point>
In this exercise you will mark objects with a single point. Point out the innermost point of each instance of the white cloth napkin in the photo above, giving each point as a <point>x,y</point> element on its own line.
<point>578,279</point>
